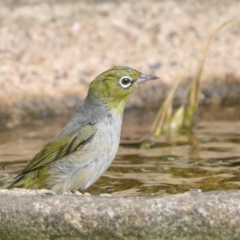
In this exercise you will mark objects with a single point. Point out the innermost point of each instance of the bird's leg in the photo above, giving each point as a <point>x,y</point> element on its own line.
<point>77,192</point>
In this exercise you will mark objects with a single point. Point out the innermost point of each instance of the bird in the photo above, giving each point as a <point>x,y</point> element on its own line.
<point>84,149</point>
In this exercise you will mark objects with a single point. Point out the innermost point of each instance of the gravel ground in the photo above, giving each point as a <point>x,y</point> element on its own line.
<point>51,50</point>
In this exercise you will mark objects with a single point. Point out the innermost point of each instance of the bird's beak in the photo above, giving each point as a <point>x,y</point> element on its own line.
<point>145,77</point>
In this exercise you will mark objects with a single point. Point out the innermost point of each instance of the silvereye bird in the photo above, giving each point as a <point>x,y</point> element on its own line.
<point>87,145</point>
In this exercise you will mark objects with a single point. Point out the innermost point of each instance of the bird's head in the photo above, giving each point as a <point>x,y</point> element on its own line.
<point>115,85</point>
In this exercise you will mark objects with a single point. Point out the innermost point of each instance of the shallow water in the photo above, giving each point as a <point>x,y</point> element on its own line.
<point>207,159</point>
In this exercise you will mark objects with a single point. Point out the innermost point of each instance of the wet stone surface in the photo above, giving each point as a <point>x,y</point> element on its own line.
<point>41,215</point>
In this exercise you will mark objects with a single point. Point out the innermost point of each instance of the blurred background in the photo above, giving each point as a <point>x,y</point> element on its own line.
<point>51,49</point>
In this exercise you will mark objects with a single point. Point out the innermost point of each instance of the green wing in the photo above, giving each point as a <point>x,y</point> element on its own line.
<point>60,147</point>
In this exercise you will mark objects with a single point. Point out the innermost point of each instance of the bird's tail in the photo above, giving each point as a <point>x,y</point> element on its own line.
<point>31,180</point>
<point>6,185</point>
<point>14,183</point>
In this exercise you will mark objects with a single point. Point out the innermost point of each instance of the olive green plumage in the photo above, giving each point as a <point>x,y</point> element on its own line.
<point>87,145</point>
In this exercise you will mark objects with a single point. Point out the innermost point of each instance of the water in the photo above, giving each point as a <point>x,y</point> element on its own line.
<point>208,159</point>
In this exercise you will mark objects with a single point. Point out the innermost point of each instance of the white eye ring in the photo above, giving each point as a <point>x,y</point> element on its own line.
<point>125,81</point>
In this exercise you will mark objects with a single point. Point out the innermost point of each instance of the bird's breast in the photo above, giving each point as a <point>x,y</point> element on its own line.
<point>107,136</point>
<point>83,167</point>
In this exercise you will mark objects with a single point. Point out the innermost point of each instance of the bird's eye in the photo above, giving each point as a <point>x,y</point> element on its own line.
<point>125,81</point>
